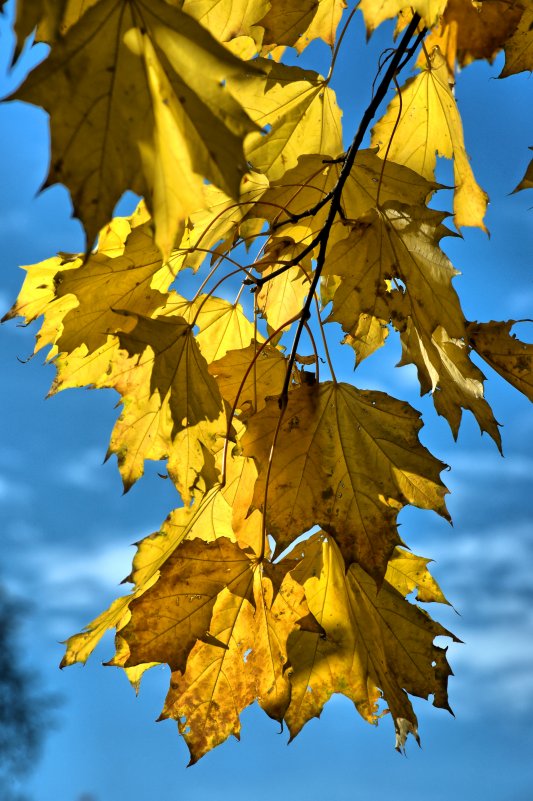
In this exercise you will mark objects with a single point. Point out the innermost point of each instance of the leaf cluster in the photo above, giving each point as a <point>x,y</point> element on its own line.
<point>282,579</point>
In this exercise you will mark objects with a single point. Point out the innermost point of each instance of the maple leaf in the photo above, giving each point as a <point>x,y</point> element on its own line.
<point>377,644</point>
<point>347,460</point>
<point>519,46</point>
<point>223,327</point>
<point>300,111</point>
<point>295,23</point>
<point>166,389</point>
<point>45,15</point>
<point>217,225</point>
<point>402,244</point>
<point>106,283</point>
<point>227,20</point>
<point>467,32</point>
<point>143,124</point>
<point>527,180</point>
<point>289,201</point>
<point>377,11</point>
<point>506,354</point>
<point>430,124</point>
<point>281,296</point>
<point>220,682</point>
<point>398,243</point>
<point>407,572</point>
<point>248,376</point>
<point>171,616</point>
<point>209,520</point>
<point>445,369</point>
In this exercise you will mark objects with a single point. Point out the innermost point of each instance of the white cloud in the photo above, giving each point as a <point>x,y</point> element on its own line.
<point>13,492</point>
<point>85,471</point>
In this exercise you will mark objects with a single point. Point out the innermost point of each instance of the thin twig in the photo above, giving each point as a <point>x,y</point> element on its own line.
<point>337,195</point>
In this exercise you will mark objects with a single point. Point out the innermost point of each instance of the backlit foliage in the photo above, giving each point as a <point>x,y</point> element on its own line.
<point>240,161</point>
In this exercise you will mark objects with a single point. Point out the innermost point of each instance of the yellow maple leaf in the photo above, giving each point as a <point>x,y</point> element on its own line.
<point>210,519</point>
<point>301,189</point>
<point>227,19</point>
<point>397,243</point>
<point>247,663</point>
<point>281,297</point>
<point>505,353</point>
<point>300,111</point>
<point>168,619</point>
<point>170,401</point>
<point>223,327</point>
<point>134,92</point>
<point>445,369</point>
<point>430,125</point>
<point>104,284</point>
<point>246,377</point>
<point>295,23</point>
<point>377,645</point>
<point>377,11</point>
<point>213,230</point>
<point>368,335</point>
<point>407,572</point>
<point>347,460</point>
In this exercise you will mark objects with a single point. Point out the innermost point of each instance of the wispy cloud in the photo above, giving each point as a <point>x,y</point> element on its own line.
<point>84,472</point>
<point>13,492</point>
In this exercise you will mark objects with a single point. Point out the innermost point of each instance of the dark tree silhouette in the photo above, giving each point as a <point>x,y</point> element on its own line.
<point>24,707</point>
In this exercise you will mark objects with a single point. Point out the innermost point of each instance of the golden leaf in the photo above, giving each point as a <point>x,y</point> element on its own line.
<point>302,188</point>
<point>377,644</point>
<point>104,284</point>
<point>134,92</point>
<point>261,374</point>
<point>168,619</point>
<point>248,661</point>
<point>227,19</point>
<point>466,33</point>
<point>377,11</point>
<point>347,460</point>
<point>297,22</point>
<point>506,354</point>
<point>223,327</point>
<point>445,369</point>
<point>300,111</point>
<point>407,572</point>
<point>166,389</point>
<point>368,335</point>
<point>430,125</point>
<point>213,230</point>
<point>383,248</point>
<point>209,519</point>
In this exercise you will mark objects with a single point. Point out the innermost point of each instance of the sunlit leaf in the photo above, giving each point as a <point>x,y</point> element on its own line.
<point>347,460</point>
<point>505,353</point>
<point>429,125</point>
<point>377,11</point>
<point>142,123</point>
<point>376,645</point>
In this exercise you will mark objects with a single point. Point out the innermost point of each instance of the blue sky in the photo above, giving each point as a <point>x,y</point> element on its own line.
<point>67,530</point>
